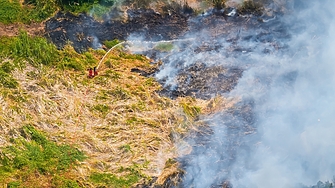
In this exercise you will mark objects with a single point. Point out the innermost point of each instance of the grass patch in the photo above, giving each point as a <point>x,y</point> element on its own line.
<point>62,182</point>
<point>36,50</point>
<point>111,43</point>
<point>132,56</point>
<point>34,153</point>
<point>101,108</point>
<point>36,11</point>
<point>190,110</point>
<point>7,81</point>
<point>164,47</point>
<point>132,176</point>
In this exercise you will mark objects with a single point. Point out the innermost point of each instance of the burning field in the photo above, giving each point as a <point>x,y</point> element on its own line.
<point>276,66</point>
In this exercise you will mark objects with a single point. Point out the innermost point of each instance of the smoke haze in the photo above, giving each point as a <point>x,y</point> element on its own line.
<point>288,89</point>
<point>281,133</point>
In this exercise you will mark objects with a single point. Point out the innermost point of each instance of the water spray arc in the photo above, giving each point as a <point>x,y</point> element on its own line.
<point>140,42</point>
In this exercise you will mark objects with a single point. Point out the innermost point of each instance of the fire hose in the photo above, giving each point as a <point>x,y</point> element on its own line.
<point>151,42</point>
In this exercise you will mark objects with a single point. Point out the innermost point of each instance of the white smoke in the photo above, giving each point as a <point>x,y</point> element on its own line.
<point>289,85</point>
<point>293,93</point>
<point>295,119</point>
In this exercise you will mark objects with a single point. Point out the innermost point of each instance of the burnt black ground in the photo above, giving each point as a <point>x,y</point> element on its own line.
<point>84,32</point>
<point>199,79</point>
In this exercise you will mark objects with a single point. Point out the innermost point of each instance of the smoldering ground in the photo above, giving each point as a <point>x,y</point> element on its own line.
<point>281,132</point>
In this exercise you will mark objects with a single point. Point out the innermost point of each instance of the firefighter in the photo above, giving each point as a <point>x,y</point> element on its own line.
<point>95,72</point>
<point>90,73</point>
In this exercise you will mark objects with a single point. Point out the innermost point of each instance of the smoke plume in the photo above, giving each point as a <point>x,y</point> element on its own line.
<point>281,133</point>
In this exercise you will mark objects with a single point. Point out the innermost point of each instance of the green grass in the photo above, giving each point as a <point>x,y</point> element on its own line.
<point>37,49</point>
<point>101,108</point>
<point>133,175</point>
<point>164,47</point>
<point>190,110</point>
<point>93,7</point>
<point>6,80</point>
<point>111,43</point>
<point>13,11</point>
<point>62,182</point>
<point>33,153</point>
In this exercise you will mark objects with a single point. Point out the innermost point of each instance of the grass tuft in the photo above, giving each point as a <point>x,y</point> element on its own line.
<point>34,153</point>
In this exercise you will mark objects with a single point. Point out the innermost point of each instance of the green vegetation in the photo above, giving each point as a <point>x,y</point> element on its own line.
<point>111,43</point>
<point>110,180</point>
<point>116,118</point>
<point>164,47</point>
<point>133,175</point>
<point>96,8</point>
<point>13,11</point>
<point>38,10</point>
<point>37,49</point>
<point>33,153</point>
<point>189,109</point>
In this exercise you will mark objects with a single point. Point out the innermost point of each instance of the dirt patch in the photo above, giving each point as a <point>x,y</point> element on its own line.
<point>33,29</point>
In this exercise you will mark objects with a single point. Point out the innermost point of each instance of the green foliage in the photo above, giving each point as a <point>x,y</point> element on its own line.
<point>34,153</point>
<point>111,43</point>
<point>164,47</point>
<point>37,10</point>
<point>102,108</point>
<point>13,184</point>
<point>6,80</point>
<point>9,11</point>
<point>132,56</point>
<point>98,11</point>
<point>6,67</point>
<point>126,148</point>
<point>97,8</point>
<point>61,182</point>
<point>110,180</point>
<point>112,74</point>
<point>35,50</point>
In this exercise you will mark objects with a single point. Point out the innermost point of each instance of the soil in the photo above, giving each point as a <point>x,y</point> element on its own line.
<point>33,29</point>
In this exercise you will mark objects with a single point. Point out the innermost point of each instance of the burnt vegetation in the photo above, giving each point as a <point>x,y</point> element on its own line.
<point>121,119</point>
